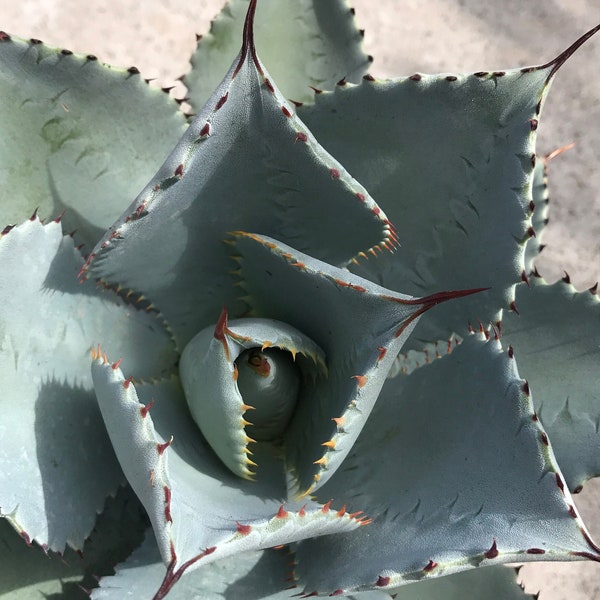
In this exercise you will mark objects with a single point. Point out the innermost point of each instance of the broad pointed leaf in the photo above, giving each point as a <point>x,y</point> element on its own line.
<point>441,500</point>
<point>56,461</point>
<point>360,327</point>
<point>246,162</point>
<point>78,136</point>
<point>30,573</point>
<point>199,510</point>
<point>491,583</point>
<point>556,340</point>
<point>304,43</point>
<point>263,575</point>
<point>450,159</point>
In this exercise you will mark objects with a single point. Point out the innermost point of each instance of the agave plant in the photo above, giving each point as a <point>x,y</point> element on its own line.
<point>243,360</point>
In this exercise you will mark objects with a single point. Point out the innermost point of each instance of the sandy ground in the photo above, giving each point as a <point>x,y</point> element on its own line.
<point>408,36</point>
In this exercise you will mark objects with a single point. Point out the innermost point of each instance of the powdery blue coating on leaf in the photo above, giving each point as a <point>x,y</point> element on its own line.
<point>450,159</point>
<point>360,326</point>
<point>56,462</point>
<point>200,512</point>
<point>455,471</point>
<point>556,341</point>
<point>265,575</point>
<point>78,136</point>
<point>246,162</point>
<point>304,42</point>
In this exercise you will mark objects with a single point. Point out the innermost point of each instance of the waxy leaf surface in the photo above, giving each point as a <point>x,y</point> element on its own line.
<point>199,510</point>
<point>249,575</point>
<point>30,573</point>
<point>556,340</point>
<point>449,158</point>
<point>51,429</point>
<point>360,327</point>
<point>443,501</point>
<point>78,136</point>
<point>246,162</point>
<point>304,43</point>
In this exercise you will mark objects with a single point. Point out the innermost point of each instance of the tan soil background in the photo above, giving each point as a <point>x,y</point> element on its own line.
<point>405,37</point>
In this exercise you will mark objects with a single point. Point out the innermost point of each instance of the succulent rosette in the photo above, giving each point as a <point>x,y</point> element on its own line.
<point>266,373</point>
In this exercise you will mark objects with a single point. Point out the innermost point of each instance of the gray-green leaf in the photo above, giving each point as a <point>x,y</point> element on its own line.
<point>450,159</point>
<point>78,136</point>
<point>556,340</point>
<point>265,575</point>
<point>246,162</point>
<point>52,434</point>
<point>455,470</point>
<point>30,573</point>
<point>303,42</point>
<point>199,510</point>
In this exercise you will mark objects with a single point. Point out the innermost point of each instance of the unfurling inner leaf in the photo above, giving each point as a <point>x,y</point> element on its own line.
<point>269,381</point>
<point>242,382</point>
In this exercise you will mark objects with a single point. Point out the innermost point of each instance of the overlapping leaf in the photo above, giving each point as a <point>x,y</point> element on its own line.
<point>449,158</point>
<point>199,510</point>
<point>29,572</point>
<point>51,429</point>
<point>360,326</point>
<point>251,575</point>
<point>457,472</point>
<point>304,42</point>
<point>246,162</point>
<point>77,135</point>
<point>556,340</point>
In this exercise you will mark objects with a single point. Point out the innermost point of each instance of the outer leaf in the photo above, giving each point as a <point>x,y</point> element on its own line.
<point>30,573</point>
<point>199,510</point>
<point>556,339</point>
<point>448,157</point>
<point>56,462</point>
<point>443,501</point>
<point>491,583</point>
<point>360,326</point>
<point>250,575</point>
<point>248,163</point>
<point>78,135</point>
<point>304,42</point>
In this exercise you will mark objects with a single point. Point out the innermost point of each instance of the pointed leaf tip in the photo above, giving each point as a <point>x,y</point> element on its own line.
<point>562,58</point>
<point>248,40</point>
<point>439,297</point>
<point>430,301</point>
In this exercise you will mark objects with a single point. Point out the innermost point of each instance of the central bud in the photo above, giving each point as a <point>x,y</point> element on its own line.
<point>269,381</point>
<point>242,382</point>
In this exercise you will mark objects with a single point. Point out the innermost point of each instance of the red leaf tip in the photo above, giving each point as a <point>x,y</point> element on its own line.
<point>248,40</point>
